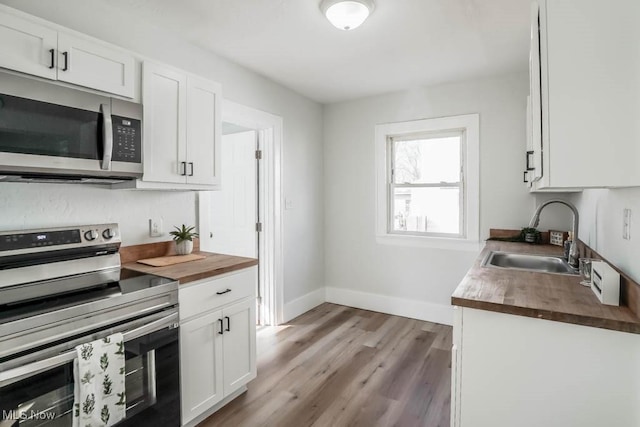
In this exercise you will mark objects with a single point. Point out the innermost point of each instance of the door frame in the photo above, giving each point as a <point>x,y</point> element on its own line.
<point>269,127</point>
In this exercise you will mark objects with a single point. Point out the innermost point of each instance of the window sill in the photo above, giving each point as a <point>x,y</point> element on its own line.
<point>466,245</point>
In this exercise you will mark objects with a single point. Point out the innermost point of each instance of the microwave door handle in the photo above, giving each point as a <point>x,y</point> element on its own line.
<point>107,136</point>
<point>25,371</point>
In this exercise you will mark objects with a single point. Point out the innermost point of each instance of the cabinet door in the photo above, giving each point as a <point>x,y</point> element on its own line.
<point>200,364</point>
<point>164,97</point>
<point>239,344</point>
<point>593,85</point>
<point>87,63</point>
<point>456,363</point>
<point>27,47</point>
<point>534,119</point>
<point>203,134</point>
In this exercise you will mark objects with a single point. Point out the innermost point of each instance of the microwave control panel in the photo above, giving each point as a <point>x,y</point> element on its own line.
<point>127,140</point>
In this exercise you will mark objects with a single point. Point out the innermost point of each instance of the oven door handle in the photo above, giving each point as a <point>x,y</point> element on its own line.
<point>170,321</point>
<point>16,374</point>
<point>11,376</point>
<point>107,136</point>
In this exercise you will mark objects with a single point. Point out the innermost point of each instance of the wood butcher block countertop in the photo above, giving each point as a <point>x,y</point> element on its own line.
<point>541,295</point>
<point>213,265</point>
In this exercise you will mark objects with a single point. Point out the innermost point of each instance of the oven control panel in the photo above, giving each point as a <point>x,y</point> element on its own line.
<point>127,140</point>
<point>42,239</point>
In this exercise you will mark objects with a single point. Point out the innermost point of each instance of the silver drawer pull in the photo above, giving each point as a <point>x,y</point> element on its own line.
<point>223,292</point>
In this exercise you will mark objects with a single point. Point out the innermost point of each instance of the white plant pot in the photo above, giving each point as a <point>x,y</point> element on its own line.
<point>184,247</point>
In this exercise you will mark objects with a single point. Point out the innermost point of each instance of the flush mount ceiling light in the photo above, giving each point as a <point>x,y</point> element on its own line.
<point>346,14</point>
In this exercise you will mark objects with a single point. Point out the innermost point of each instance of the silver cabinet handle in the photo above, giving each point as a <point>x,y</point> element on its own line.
<point>107,136</point>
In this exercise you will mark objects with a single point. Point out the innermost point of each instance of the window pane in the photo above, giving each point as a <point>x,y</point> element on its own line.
<point>427,160</point>
<point>430,210</point>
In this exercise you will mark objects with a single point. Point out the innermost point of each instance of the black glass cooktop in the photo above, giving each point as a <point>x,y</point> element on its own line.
<point>125,282</point>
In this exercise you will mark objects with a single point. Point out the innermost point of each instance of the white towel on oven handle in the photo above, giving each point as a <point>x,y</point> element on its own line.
<point>99,373</point>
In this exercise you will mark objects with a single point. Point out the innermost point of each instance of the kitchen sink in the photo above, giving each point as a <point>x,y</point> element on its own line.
<point>539,263</point>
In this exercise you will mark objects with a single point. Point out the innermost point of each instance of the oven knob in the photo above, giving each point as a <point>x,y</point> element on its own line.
<point>108,233</point>
<point>90,235</point>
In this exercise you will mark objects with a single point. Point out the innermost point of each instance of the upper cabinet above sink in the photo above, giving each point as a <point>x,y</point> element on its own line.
<point>584,109</point>
<point>29,46</point>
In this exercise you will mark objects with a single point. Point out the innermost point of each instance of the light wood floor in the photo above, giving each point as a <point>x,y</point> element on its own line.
<point>340,366</point>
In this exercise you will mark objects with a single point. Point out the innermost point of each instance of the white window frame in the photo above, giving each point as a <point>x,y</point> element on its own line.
<point>469,126</point>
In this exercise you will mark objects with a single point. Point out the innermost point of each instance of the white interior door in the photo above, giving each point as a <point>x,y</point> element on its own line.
<point>233,209</point>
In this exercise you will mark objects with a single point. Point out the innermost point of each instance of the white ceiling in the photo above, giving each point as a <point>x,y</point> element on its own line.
<point>404,43</point>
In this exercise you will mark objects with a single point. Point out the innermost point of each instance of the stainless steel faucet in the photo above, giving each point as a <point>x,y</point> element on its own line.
<point>573,251</point>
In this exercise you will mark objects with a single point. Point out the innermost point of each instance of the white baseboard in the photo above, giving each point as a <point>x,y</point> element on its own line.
<point>298,306</point>
<point>421,310</point>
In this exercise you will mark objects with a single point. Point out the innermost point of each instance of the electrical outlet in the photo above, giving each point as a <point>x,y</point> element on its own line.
<point>626,224</point>
<point>288,203</point>
<point>155,227</point>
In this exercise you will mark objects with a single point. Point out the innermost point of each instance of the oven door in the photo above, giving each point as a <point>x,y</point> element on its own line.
<point>41,393</point>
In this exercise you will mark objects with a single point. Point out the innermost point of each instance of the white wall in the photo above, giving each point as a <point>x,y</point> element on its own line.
<point>55,205</point>
<point>302,180</point>
<point>422,280</point>
<point>601,226</point>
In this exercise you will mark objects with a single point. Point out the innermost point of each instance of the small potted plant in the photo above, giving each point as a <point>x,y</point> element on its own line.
<point>184,239</point>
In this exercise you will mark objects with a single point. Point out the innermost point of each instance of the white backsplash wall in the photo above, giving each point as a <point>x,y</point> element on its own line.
<point>554,216</point>
<point>359,269</point>
<point>601,226</point>
<point>26,206</point>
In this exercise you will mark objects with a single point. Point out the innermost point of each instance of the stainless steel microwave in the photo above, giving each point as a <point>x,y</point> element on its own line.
<point>55,133</point>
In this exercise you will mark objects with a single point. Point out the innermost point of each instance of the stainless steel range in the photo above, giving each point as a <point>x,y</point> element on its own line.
<point>63,287</point>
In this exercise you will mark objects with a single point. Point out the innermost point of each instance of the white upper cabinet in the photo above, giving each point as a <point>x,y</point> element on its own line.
<point>86,63</point>
<point>164,100</point>
<point>33,48</point>
<point>589,90</point>
<point>27,47</point>
<point>203,117</point>
<point>181,129</point>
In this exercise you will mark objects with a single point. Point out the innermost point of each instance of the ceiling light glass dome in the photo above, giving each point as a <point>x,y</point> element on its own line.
<point>347,14</point>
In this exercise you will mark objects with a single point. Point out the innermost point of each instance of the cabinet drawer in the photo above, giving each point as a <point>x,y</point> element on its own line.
<point>210,294</point>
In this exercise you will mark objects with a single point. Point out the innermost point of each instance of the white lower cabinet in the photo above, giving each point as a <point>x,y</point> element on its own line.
<point>217,340</point>
<point>200,364</point>
<point>510,370</point>
<point>238,349</point>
